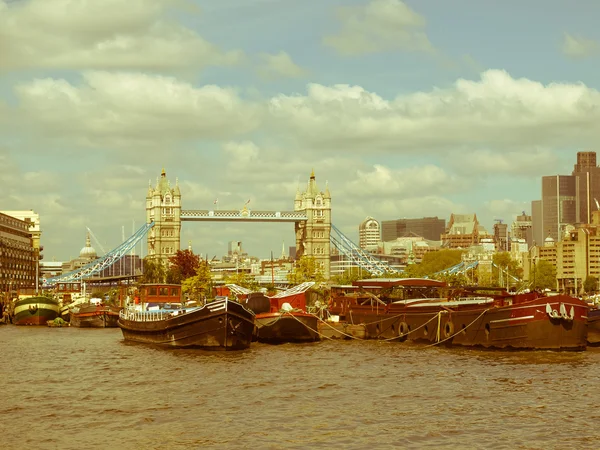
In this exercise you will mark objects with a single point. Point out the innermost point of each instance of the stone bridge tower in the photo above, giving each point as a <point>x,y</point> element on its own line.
<point>163,206</point>
<point>313,236</point>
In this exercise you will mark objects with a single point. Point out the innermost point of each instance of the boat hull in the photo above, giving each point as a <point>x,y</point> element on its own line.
<point>35,311</point>
<point>594,327</point>
<point>95,316</point>
<point>284,326</point>
<point>521,326</point>
<point>221,325</point>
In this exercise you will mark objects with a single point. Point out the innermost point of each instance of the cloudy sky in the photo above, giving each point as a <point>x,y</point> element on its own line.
<point>406,109</point>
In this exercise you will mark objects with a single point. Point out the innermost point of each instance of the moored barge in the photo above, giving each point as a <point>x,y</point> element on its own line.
<point>424,310</point>
<point>36,310</point>
<point>162,318</point>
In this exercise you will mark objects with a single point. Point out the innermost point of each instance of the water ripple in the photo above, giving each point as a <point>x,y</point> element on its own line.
<point>70,388</point>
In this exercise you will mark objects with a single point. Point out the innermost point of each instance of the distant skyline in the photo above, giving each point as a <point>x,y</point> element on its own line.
<point>406,109</point>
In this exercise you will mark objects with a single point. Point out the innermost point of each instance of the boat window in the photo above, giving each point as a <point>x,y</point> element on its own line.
<point>152,291</point>
<point>174,292</point>
<point>164,291</point>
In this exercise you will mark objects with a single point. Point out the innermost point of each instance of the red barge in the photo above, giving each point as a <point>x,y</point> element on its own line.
<point>282,317</point>
<point>429,311</point>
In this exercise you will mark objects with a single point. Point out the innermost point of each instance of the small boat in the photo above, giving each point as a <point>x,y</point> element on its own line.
<point>429,311</point>
<point>162,318</point>
<point>36,310</point>
<point>94,314</point>
<point>283,318</point>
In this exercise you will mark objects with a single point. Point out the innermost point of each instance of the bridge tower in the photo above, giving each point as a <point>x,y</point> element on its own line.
<point>163,206</point>
<point>313,236</point>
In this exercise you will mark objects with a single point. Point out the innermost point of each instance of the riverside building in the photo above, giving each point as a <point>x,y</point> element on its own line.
<point>18,256</point>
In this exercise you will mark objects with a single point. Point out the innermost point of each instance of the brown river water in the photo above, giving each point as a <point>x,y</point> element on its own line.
<point>70,388</point>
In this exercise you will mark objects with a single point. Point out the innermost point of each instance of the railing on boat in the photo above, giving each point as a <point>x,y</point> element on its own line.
<point>144,316</point>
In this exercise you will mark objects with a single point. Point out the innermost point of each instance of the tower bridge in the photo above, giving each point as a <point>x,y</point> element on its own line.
<point>243,215</point>
<point>311,218</point>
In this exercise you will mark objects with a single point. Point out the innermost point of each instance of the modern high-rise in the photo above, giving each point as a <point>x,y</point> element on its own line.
<point>588,185</point>
<point>559,204</point>
<point>369,234</point>
<point>431,228</point>
<point>567,199</point>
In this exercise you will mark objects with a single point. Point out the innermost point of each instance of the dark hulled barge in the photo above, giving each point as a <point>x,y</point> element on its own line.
<point>94,315</point>
<point>163,319</point>
<point>428,311</point>
<point>283,318</point>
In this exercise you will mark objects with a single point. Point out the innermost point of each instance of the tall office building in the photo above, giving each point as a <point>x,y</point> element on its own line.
<point>567,199</point>
<point>369,234</point>
<point>431,228</point>
<point>537,222</point>
<point>588,185</point>
<point>559,204</point>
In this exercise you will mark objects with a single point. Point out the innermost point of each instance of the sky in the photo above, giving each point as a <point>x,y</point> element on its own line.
<point>405,109</point>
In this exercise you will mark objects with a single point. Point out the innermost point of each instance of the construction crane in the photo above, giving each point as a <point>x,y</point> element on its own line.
<point>97,241</point>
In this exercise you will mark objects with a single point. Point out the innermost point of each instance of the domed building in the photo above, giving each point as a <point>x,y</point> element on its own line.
<point>88,252</point>
<point>86,255</point>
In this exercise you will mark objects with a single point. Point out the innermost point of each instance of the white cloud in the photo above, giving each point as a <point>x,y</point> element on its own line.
<point>579,47</point>
<point>280,65</point>
<point>122,109</point>
<point>241,153</point>
<point>495,111</point>
<point>505,210</point>
<point>527,161</point>
<point>409,182</point>
<point>107,34</point>
<point>378,26</point>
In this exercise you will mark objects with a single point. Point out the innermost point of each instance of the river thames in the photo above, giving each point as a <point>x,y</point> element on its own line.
<point>70,388</point>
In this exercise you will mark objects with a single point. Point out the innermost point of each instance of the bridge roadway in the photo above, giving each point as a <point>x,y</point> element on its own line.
<point>244,215</point>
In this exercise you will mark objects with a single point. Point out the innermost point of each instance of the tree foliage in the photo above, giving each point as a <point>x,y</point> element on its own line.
<point>350,275</point>
<point>199,286</point>
<point>434,262</point>
<point>182,265</point>
<point>306,269</point>
<point>154,271</point>
<point>243,279</point>
<point>544,275</point>
<point>590,284</point>
<point>503,264</point>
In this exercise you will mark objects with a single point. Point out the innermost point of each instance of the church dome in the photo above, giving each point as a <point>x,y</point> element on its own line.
<point>88,251</point>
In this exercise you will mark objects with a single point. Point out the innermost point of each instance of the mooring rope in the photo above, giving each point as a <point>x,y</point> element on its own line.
<point>459,331</point>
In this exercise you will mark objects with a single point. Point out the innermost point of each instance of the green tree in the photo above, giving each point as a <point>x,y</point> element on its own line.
<point>350,275</point>
<point>199,286</point>
<point>454,279</point>
<point>544,275</point>
<point>503,264</point>
<point>590,284</point>
<point>182,265</point>
<point>434,262</point>
<point>306,269</point>
<point>154,271</point>
<point>243,279</point>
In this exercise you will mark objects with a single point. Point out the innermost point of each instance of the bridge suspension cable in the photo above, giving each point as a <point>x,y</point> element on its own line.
<point>102,263</point>
<point>357,255</point>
